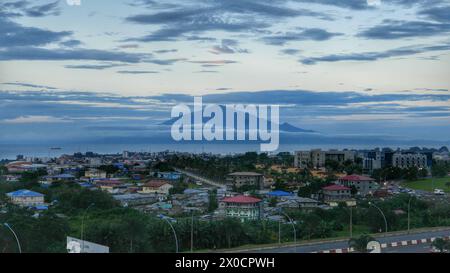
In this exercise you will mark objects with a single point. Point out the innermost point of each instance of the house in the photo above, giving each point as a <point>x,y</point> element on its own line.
<point>336,193</point>
<point>243,207</point>
<point>169,175</point>
<point>251,179</point>
<point>157,187</point>
<point>26,198</point>
<point>24,166</point>
<point>111,186</point>
<point>61,178</point>
<point>12,178</point>
<point>95,173</point>
<point>363,184</point>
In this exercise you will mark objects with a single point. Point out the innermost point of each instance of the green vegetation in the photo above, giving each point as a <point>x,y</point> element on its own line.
<point>360,243</point>
<point>429,184</point>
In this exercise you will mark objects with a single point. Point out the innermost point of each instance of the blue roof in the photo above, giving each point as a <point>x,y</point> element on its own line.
<point>41,207</point>
<point>24,193</point>
<point>64,176</point>
<point>279,193</point>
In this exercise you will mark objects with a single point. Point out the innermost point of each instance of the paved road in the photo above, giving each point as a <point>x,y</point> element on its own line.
<point>201,179</point>
<point>421,248</point>
<point>344,244</point>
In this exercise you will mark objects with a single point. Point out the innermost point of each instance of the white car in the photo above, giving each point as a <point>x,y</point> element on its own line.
<point>439,192</point>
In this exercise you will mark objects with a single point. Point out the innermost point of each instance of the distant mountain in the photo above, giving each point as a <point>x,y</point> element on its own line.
<point>287,127</point>
<point>284,127</point>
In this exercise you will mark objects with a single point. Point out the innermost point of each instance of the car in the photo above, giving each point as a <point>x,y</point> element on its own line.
<point>439,192</point>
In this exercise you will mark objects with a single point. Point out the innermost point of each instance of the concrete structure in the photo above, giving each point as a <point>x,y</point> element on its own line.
<point>336,193</point>
<point>26,198</point>
<point>407,160</point>
<point>240,179</point>
<point>242,207</point>
<point>317,158</point>
<point>156,187</point>
<point>94,173</point>
<point>363,184</point>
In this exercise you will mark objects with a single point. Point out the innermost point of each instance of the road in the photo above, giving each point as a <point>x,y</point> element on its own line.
<point>323,246</point>
<point>201,179</point>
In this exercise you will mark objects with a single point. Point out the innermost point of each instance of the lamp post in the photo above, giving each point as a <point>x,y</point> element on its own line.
<point>82,226</point>
<point>15,236</point>
<point>409,208</point>
<point>192,231</point>
<point>382,213</point>
<point>173,230</point>
<point>293,226</point>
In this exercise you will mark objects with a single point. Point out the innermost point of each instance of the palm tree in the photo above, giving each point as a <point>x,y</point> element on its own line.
<point>360,244</point>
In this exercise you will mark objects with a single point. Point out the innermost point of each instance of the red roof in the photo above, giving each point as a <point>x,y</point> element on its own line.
<point>336,188</point>
<point>241,199</point>
<point>356,178</point>
<point>155,183</point>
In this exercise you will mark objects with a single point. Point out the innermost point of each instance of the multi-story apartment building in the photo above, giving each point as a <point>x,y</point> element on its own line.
<point>243,207</point>
<point>407,160</point>
<point>363,184</point>
<point>26,198</point>
<point>240,179</point>
<point>317,158</point>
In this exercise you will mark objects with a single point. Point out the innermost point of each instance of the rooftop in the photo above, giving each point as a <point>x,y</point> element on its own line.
<point>24,193</point>
<point>241,199</point>
<point>245,174</point>
<point>356,178</point>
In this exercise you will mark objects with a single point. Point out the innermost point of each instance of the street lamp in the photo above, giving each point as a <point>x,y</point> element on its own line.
<point>384,217</point>
<point>173,230</point>
<point>15,236</point>
<point>293,226</point>
<point>82,226</point>
<point>409,208</point>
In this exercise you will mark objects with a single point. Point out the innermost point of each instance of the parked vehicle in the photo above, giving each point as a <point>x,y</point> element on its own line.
<point>439,192</point>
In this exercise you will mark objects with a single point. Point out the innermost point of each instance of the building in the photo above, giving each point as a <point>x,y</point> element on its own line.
<point>95,173</point>
<point>168,175</point>
<point>156,187</point>
<point>24,166</point>
<point>26,198</point>
<point>242,207</point>
<point>407,160</point>
<point>317,158</point>
<point>250,179</point>
<point>111,186</point>
<point>336,193</point>
<point>363,184</point>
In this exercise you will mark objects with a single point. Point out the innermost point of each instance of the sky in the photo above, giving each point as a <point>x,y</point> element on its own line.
<point>339,67</point>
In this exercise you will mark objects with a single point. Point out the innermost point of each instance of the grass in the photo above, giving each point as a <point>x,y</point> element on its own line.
<point>427,184</point>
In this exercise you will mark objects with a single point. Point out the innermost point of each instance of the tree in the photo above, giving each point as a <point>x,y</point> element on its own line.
<point>360,244</point>
<point>212,205</point>
<point>441,245</point>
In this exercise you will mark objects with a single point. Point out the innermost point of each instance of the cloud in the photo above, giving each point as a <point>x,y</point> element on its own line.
<point>137,72</point>
<point>30,85</point>
<point>230,16</point>
<point>163,51</point>
<point>71,43</point>
<point>42,54</point>
<point>439,14</point>
<point>390,29</point>
<point>14,34</point>
<point>374,56</point>
<point>34,119</point>
<point>290,51</point>
<point>43,10</point>
<point>228,46</point>
<point>313,34</point>
<point>93,66</point>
